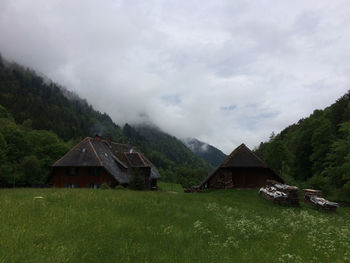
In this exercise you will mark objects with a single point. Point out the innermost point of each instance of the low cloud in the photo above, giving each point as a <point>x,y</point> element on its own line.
<point>225,72</point>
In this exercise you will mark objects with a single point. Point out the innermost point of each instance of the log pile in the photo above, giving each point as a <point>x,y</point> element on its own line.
<point>272,194</point>
<point>309,193</point>
<point>314,197</point>
<point>279,193</point>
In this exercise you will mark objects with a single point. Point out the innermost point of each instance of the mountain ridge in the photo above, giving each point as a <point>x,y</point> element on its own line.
<point>209,153</point>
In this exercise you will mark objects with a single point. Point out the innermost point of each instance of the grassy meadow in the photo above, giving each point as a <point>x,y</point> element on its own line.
<point>86,225</point>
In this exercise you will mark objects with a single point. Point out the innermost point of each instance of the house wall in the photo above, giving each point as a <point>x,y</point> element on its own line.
<point>241,178</point>
<point>145,172</point>
<point>83,179</point>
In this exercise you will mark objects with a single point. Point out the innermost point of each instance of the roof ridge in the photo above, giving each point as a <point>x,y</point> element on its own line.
<point>98,158</point>
<point>232,154</point>
<point>257,157</point>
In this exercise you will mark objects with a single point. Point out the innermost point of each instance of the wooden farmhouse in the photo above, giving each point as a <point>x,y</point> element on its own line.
<point>241,169</point>
<point>95,161</point>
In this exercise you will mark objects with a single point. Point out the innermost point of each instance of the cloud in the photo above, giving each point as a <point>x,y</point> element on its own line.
<point>225,72</point>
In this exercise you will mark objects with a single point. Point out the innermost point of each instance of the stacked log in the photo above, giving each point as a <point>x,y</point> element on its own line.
<point>314,197</point>
<point>279,193</point>
<point>272,194</point>
<point>308,193</point>
<point>291,191</point>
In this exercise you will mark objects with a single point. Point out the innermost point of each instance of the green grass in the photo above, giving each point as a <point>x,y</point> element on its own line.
<point>83,225</point>
<point>170,187</point>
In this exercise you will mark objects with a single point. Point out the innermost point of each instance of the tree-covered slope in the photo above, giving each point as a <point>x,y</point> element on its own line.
<point>315,151</point>
<point>26,155</point>
<point>28,97</point>
<point>177,163</point>
<point>206,151</point>
<point>44,105</point>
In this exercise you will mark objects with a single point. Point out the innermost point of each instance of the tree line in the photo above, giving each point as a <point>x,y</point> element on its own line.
<point>315,152</point>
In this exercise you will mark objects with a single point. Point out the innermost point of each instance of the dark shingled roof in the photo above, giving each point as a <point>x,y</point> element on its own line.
<point>114,157</point>
<point>242,156</point>
<point>106,156</point>
<point>121,151</point>
<point>82,154</point>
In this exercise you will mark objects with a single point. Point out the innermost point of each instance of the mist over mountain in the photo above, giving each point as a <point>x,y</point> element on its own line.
<point>208,152</point>
<point>36,103</point>
<point>235,74</point>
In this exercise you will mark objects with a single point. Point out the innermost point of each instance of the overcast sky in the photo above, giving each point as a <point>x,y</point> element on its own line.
<point>225,72</point>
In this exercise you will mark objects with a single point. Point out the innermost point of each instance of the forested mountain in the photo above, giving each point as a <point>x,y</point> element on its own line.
<point>39,104</point>
<point>49,107</point>
<point>315,152</point>
<point>176,162</point>
<point>208,152</point>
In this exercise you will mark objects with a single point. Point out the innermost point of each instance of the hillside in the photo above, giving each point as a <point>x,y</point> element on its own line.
<point>315,152</point>
<point>177,163</point>
<point>86,225</point>
<point>206,151</point>
<point>44,105</point>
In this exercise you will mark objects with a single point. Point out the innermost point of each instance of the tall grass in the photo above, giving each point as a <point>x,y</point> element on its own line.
<point>85,225</point>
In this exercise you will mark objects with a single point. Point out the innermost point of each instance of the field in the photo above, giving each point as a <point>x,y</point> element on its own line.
<point>85,225</point>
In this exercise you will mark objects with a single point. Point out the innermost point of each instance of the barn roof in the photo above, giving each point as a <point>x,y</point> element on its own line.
<point>114,157</point>
<point>241,157</point>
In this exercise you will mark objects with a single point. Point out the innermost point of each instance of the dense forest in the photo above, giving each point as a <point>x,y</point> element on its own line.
<point>26,155</point>
<point>33,102</point>
<point>315,152</point>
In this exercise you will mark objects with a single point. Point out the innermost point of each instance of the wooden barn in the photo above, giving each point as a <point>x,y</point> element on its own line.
<point>241,169</point>
<point>95,161</point>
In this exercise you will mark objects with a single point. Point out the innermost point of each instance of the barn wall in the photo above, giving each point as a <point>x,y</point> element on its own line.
<point>83,179</point>
<point>221,180</point>
<point>241,178</point>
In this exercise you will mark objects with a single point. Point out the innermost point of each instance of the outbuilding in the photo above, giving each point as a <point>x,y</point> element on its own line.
<point>241,169</point>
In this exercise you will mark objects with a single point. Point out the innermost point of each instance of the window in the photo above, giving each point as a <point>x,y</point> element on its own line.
<point>97,171</point>
<point>72,171</point>
<point>94,171</point>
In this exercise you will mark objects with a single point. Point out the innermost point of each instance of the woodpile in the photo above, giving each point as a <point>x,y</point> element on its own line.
<point>311,192</point>
<point>280,193</point>
<point>314,197</point>
<point>272,194</point>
